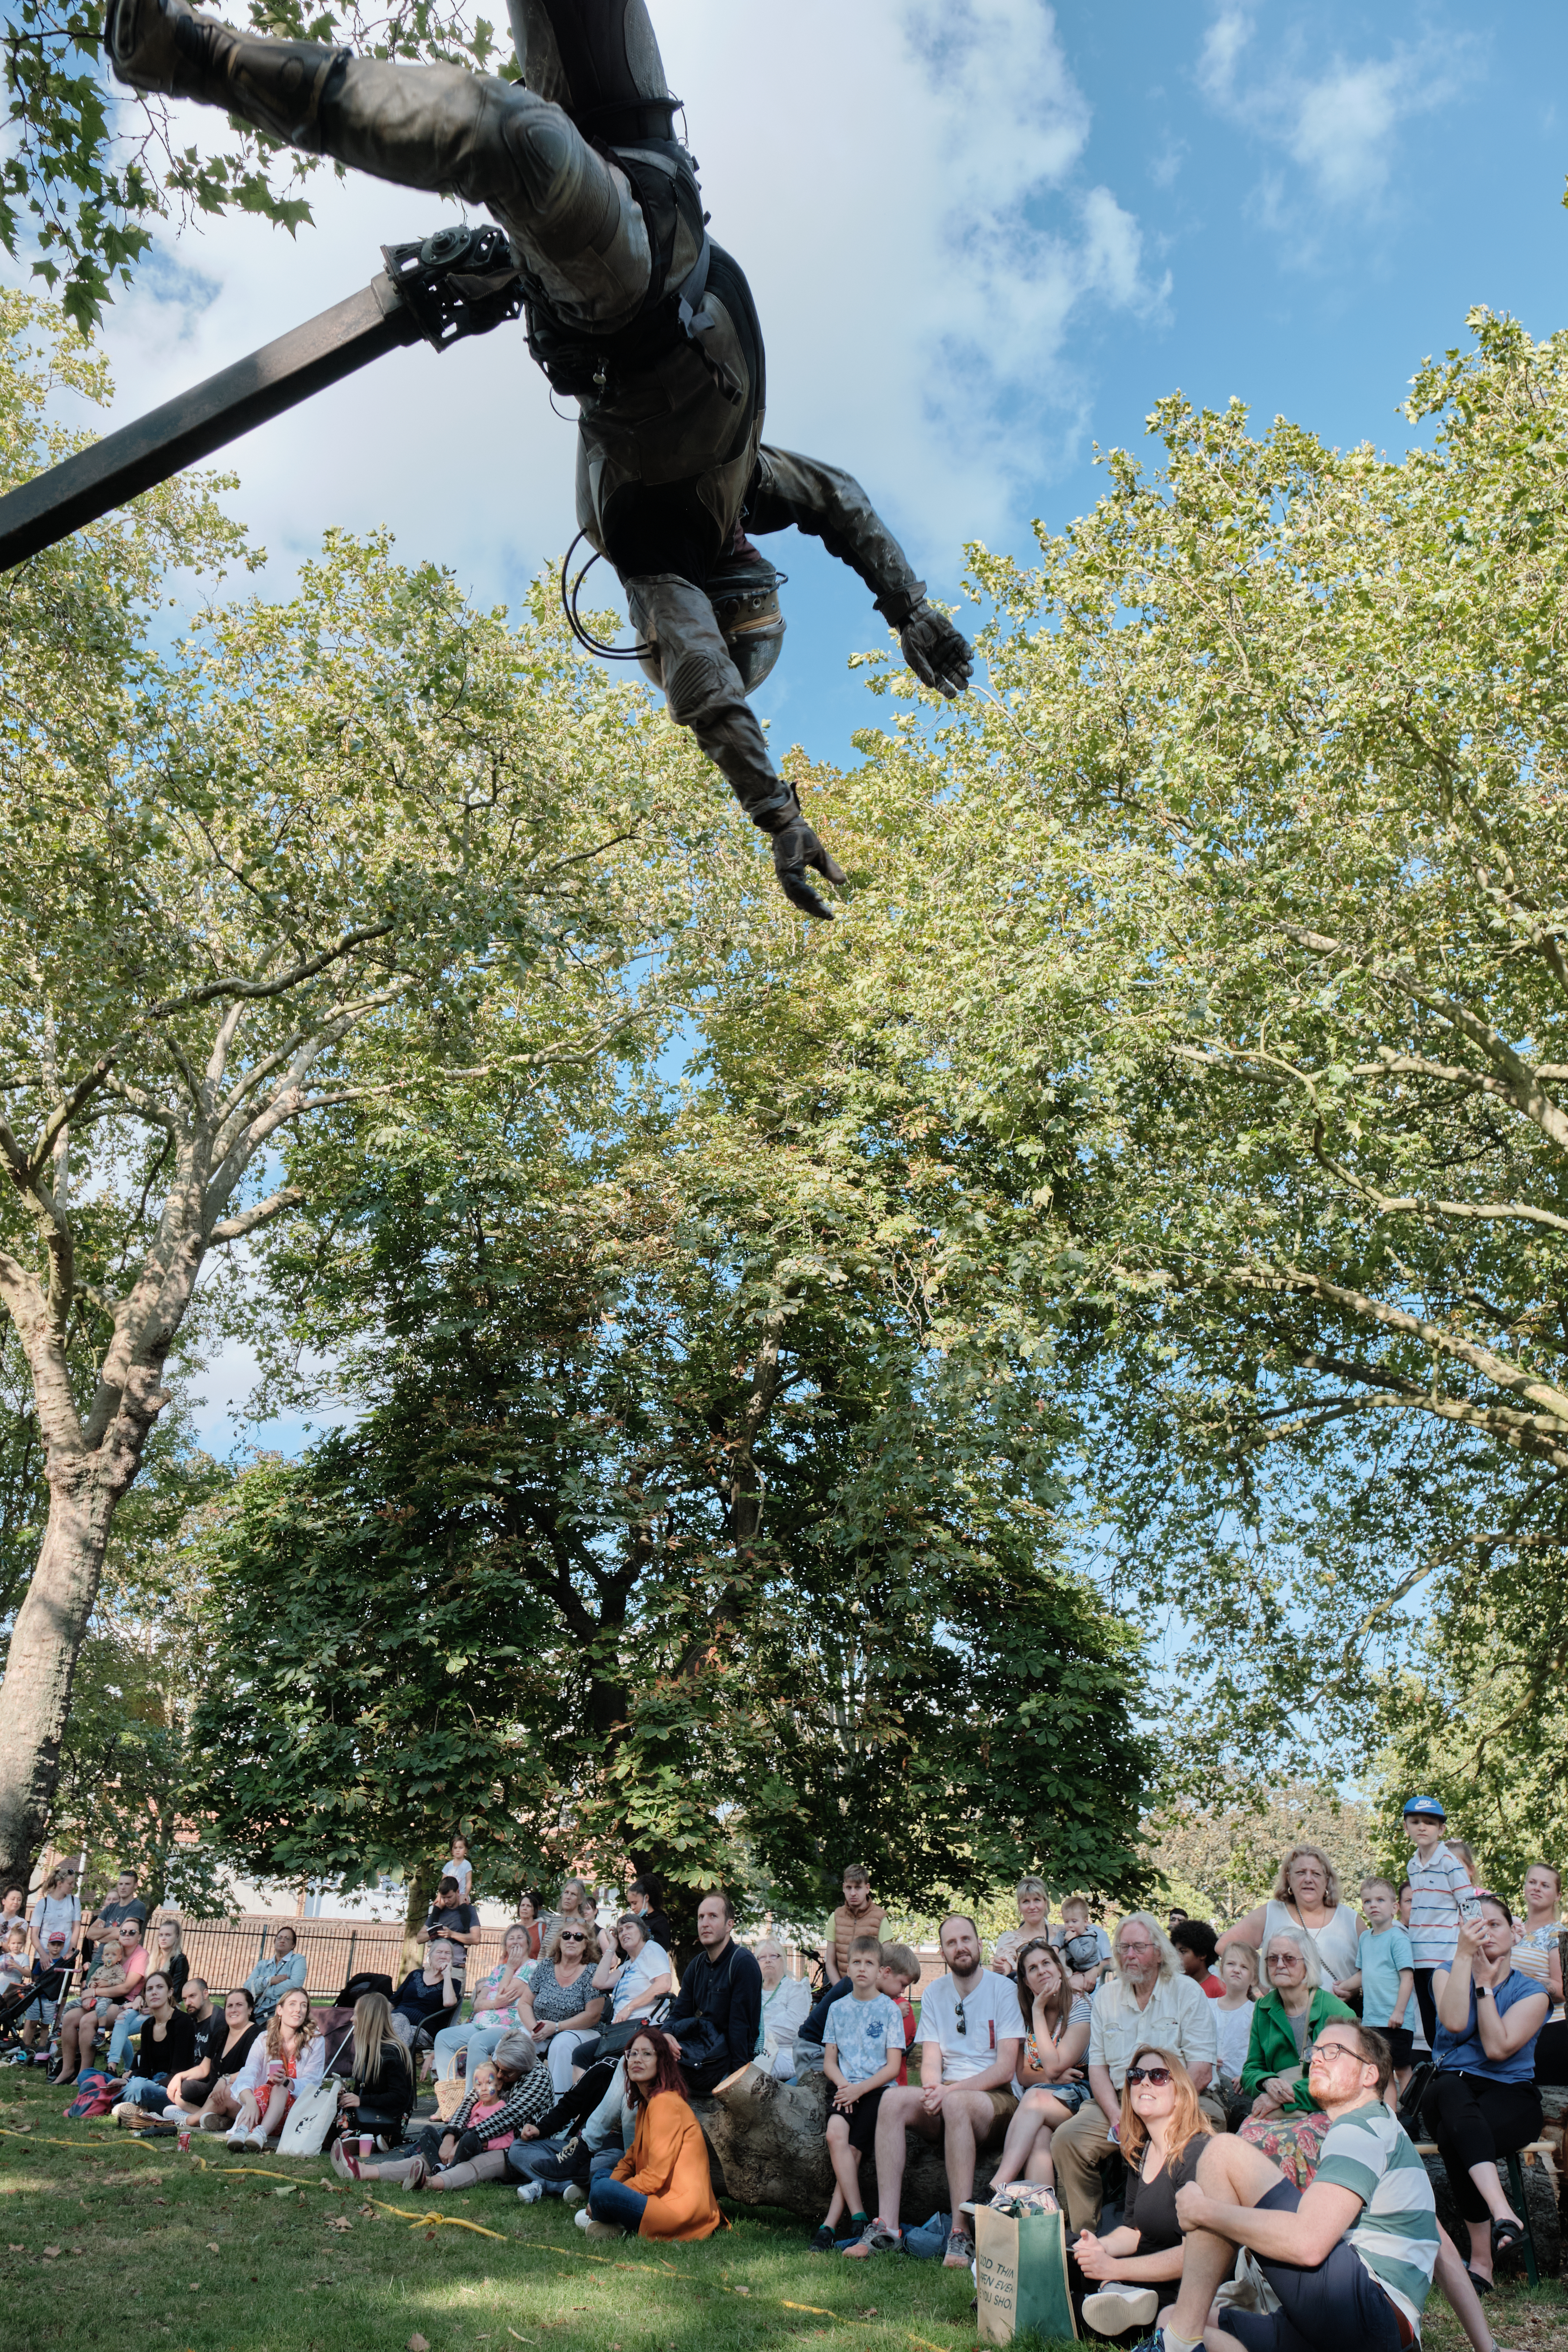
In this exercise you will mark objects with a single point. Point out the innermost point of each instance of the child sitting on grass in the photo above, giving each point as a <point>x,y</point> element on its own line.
<point>863,2046</point>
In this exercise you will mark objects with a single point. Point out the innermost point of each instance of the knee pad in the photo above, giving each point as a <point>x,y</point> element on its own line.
<point>694,685</point>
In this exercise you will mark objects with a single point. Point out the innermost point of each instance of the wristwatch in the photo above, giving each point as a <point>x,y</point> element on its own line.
<point>1483,1989</point>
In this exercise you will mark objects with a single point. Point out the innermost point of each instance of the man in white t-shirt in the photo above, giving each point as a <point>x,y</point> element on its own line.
<point>969,2038</point>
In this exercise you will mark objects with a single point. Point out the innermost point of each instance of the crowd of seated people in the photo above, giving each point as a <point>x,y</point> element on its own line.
<point>1185,2096</point>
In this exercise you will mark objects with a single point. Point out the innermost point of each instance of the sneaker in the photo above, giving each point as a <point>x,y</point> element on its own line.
<point>821,2241</point>
<point>960,2251</point>
<point>572,2194</point>
<point>211,2124</point>
<point>531,2192</point>
<point>875,2239</point>
<point>591,2229</point>
<point>1114,2310</point>
<point>344,2164</point>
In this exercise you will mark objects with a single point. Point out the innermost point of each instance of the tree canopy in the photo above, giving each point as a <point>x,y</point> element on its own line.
<point>668,1534</point>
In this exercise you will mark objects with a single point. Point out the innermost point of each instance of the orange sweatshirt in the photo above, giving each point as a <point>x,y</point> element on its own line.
<point>668,2164</point>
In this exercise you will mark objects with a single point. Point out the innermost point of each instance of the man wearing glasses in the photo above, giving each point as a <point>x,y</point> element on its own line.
<point>1147,1997</point>
<point>1351,2258</point>
<point>969,2038</point>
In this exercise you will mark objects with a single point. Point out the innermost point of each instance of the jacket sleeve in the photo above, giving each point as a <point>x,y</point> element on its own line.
<point>831,507</point>
<point>1259,2052</point>
<point>743,2026</point>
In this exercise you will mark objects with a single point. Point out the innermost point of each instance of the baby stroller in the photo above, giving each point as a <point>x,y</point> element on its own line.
<point>28,2000</point>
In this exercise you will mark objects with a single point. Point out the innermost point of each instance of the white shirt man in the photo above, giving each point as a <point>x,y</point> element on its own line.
<point>971,2031</point>
<point>1147,1998</point>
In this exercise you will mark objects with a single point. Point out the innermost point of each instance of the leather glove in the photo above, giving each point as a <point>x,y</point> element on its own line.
<point>795,847</point>
<point>939,655</point>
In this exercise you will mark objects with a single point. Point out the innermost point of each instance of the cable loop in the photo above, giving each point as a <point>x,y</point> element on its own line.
<point>570,592</point>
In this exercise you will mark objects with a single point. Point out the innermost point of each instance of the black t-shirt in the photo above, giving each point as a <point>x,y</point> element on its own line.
<point>114,1912</point>
<point>420,1998</point>
<point>210,2039</point>
<point>1149,2206</point>
<point>459,1916</point>
<point>174,2052</point>
<point>656,1927</point>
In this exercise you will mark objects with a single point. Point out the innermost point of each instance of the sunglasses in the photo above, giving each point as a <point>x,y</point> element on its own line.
<point>959,2018</point>
<point>573,1936</point>
<point>1157,2075</point>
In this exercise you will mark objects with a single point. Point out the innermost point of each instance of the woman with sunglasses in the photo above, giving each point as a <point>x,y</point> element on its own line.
<point>1049,2080</point>
<point>559,2004</point>
<point>1162,2136</point>
<point>1285,2121</point>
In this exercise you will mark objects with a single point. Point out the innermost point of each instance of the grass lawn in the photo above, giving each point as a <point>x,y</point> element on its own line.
<point>102,2236</point>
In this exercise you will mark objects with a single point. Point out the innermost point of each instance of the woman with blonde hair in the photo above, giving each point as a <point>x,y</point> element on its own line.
<point>1161,2133</point>
<point>287,2060</point>
<point>1538,1953</point>
<point>1034,1922</point>
<point>1307,1896</point>
<point>560,2005</point>
<point>377,2099</point>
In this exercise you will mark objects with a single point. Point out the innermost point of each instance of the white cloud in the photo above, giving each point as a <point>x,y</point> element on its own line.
<point>1336,119</point>
<point>903,182</point>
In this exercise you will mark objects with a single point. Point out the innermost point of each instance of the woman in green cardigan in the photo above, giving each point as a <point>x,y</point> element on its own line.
<point>1284,2122</point>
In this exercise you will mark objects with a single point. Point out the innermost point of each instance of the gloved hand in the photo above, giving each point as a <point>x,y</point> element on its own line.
<point>795,847</point>
<point>939,655</point>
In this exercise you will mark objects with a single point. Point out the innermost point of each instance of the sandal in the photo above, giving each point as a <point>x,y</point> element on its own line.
<point>1482,2285</point>
<point>1506,2233</point>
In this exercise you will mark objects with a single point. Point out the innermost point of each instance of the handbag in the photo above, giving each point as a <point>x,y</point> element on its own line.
<point>1409,2109</point>
<point>1021,2277</point>
<point>314,2113</point>
<point>699,2041</point>
<point>614,2039</point>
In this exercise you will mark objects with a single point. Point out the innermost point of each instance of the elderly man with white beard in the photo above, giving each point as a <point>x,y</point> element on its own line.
<point>1147,1998</point>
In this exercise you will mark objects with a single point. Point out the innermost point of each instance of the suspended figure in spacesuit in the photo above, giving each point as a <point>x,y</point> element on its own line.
<point>631,309</point>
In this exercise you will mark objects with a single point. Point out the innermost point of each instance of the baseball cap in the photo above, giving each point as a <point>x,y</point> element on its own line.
<point>1424,1805</point>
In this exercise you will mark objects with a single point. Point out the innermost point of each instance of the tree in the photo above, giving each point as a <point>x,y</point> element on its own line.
<point>1235,916</point>
<point>124,1755</point>
<point>92,167</point>
<point>668,1535</point>
<point>1219,1858</point>
<point>248,884</point>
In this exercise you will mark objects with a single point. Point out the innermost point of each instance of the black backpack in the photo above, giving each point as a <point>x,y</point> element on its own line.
<point>357,1987</point>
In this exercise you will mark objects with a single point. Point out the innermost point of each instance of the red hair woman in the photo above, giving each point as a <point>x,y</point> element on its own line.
<point>663,2188</point>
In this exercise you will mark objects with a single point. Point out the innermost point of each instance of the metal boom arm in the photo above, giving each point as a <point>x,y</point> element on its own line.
<point>457,283</point>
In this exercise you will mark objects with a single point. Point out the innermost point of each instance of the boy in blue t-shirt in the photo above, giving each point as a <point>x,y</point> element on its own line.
<point>1387,1966</point>
<point>862,2050</point>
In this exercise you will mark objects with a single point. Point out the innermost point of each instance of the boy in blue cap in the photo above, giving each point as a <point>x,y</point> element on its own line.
<point>1438,1881</point>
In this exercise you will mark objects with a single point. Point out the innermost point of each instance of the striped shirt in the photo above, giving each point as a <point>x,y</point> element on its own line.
<point>1435,1889</point>
<point>1369,2152</point>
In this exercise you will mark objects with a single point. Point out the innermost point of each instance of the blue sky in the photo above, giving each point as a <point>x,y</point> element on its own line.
<point>984,235</point>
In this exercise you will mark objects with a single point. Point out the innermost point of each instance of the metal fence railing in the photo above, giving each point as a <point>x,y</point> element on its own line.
<point>224,1951</point>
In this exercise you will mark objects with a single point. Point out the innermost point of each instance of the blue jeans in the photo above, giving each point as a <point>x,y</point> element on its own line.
<point>142,2090</point>
<point>478,2039</point>
<point>616,2200</point>
<point>124,2027</point>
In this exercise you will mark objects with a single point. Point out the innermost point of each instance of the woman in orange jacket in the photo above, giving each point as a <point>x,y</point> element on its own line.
<point>663,2189</point>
